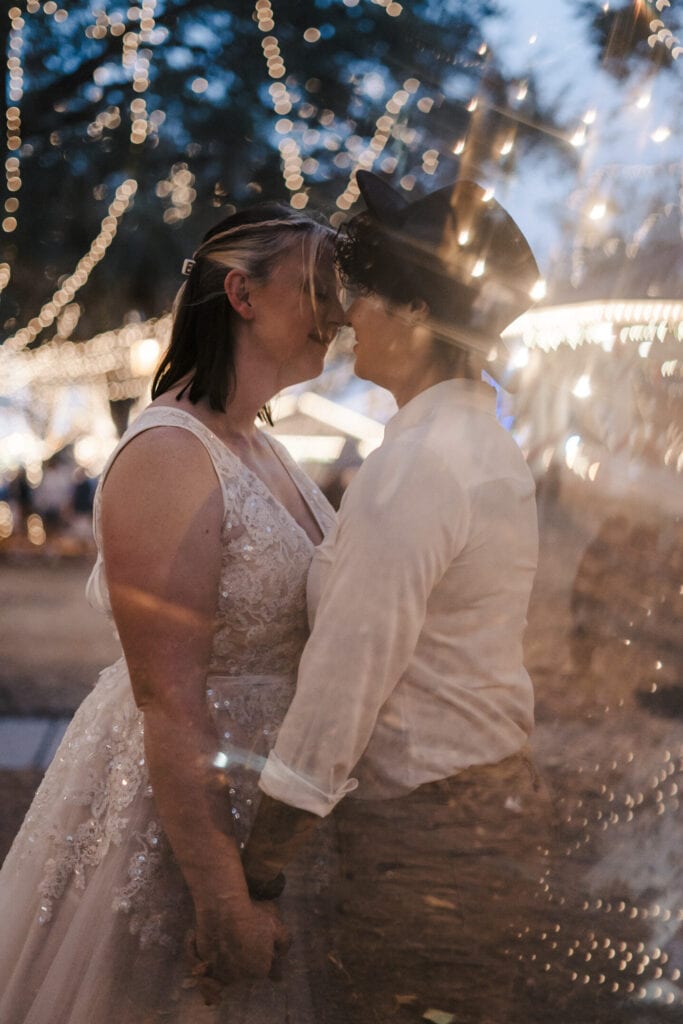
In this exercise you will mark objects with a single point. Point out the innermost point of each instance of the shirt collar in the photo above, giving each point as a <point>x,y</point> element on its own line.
<point>458,392</point>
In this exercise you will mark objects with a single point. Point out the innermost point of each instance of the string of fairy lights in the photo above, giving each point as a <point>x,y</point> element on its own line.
<point>121,360</point>
<point>13,123</point>
<point>604,323</point>
<point>136,61</point>
<point>361,156</point>
<point>15,92</point>
<point>384,126</point>
<point>139,61</point>
<point>75,281</point>
<point>290,151</point>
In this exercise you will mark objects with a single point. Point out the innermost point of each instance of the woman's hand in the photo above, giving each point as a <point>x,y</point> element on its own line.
<point>230,946</point>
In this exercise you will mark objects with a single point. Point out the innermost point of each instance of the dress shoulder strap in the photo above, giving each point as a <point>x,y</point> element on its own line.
<point>226,465</point>
<point>166,416</point>
<point>224,462</point>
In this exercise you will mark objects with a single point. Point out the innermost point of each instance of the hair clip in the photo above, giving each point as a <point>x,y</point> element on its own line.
<point>187,267</point>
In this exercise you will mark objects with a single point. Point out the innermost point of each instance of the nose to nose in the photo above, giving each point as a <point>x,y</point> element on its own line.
<point>337,317</point>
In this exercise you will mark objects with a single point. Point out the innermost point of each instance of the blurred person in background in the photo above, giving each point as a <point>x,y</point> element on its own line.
<point>342,473</point>
<point>123,898</point>
<point>412,696</point>
<point>21,495</point>
<point>52,496</point>
<point>81,508</point>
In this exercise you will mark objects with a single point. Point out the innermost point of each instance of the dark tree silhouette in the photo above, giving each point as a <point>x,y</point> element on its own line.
<point>208,138</point>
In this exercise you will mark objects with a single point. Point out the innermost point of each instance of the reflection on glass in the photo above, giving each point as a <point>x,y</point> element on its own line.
<point>145,124</point>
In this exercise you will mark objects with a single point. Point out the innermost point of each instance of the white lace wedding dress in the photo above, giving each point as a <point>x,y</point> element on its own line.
<point>93,909</point>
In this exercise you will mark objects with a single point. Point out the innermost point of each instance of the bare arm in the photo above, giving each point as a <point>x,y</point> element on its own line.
<point>162,552</point>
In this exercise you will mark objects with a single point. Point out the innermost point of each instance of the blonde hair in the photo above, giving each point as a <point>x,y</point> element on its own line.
<point>202,339</point>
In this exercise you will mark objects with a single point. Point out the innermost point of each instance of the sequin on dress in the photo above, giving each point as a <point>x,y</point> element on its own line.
<point>93,908</point>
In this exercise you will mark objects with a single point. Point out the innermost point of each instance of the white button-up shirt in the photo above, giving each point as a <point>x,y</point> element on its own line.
<point>418,600</point>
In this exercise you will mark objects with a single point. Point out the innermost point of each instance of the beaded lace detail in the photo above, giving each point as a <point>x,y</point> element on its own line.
<point>154,907</point>
<point>108,753</point>
<point>261,623</point>
<point>99,774</point>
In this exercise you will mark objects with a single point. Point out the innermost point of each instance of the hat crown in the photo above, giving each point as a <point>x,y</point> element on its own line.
<point>460,231</point>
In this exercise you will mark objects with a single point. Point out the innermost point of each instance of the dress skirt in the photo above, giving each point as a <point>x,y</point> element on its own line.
<point>93,908</point>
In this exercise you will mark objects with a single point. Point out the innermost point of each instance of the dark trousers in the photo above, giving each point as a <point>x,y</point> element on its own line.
<point>438,892</point>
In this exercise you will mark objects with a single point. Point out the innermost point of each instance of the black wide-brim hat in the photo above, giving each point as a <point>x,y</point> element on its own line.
<point>459,233</point>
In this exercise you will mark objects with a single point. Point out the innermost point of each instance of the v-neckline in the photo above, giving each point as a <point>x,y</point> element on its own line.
<point>312,511</point>
<point>261,483</point>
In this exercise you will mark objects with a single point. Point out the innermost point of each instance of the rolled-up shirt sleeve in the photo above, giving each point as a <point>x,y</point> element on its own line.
<point>402,522</point>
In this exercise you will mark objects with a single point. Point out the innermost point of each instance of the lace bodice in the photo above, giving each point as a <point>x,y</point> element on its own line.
<point>261,622</point>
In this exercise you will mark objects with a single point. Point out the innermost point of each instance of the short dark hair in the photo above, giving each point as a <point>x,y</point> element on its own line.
<point>372,259</point>
<point>202,337</point>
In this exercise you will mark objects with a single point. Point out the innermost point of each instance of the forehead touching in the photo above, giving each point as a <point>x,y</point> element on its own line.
<point>307,259</point>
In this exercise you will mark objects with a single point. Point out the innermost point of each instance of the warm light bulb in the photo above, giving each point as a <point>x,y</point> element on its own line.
<point>661,134</point>
<point>582,388</point>
<point>519,359</point>
<point>144,355</point>
<point>539,290</point>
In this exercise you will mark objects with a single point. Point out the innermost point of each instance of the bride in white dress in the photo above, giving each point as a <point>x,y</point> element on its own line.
<point>123,897</point>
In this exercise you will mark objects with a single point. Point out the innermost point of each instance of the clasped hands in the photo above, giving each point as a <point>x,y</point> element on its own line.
<point>247,939</point>
<point>230,944</point>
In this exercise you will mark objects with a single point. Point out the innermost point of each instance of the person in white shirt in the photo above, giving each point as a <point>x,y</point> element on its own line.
<point>412,696</point>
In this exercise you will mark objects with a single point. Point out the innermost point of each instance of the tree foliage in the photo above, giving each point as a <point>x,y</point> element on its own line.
<point>210,121</point>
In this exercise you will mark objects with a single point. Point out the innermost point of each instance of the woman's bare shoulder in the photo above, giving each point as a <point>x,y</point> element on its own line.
<point>164,468</point>
<point>161,447</point>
